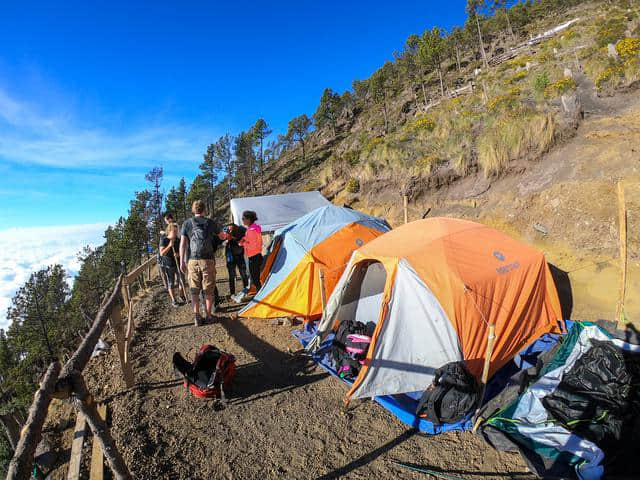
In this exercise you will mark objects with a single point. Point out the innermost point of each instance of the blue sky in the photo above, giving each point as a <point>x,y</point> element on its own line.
<point>93,94</point>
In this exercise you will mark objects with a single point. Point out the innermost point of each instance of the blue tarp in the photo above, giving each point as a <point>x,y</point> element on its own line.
<point>404,405</point>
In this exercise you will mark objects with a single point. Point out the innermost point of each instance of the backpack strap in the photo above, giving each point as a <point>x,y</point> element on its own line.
<point>435,398</point>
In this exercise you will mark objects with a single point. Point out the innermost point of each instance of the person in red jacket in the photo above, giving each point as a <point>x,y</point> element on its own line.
<point>252,244</point>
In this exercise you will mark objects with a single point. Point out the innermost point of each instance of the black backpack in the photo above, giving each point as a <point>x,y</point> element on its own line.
<point>453,393</point>
<point>199,245</point>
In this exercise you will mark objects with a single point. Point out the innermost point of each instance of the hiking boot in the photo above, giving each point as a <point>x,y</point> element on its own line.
<point>175,303</point>
<point>211,319</point>
<point>197,320</point>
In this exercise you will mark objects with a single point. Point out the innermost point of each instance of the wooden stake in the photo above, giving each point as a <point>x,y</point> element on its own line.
<point>491,338</point>
<point>75,462</point>
<point>405,203</point>
<point>622,223</point>
<point>323,294</point>
<point>21,466</point>
<point>97,462</point>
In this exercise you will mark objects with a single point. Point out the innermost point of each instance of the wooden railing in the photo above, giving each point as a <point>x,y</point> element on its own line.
<point>68,383</point>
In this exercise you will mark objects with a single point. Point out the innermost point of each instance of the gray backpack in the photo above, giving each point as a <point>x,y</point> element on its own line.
<point>199,245</point>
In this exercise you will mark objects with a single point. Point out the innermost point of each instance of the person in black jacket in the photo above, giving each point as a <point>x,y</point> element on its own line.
<point>234,254</point>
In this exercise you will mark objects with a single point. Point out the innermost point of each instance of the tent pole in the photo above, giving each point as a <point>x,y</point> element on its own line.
<point>491,338</point>
<point>622,223</point>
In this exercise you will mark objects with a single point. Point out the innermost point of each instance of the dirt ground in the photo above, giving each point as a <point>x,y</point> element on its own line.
<point>283,420</point>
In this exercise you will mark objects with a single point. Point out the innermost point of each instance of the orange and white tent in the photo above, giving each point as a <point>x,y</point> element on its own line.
<point>433,287</point>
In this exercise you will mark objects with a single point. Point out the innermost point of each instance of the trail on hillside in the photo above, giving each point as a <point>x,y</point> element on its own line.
<point>283,419</point>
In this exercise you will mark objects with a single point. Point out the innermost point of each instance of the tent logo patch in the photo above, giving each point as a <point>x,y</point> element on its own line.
<point>359,242</point>
<point>503,269</point>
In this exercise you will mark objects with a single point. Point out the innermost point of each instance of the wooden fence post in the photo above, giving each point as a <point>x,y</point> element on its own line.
<point>85,405</point>
<point>323,294</point>
<point>491,338</point>
<point>622,223</point>
<point>405,203</point>
<point>116,326</point>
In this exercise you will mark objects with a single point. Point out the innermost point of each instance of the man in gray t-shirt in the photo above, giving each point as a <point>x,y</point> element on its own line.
<point>198,242</point>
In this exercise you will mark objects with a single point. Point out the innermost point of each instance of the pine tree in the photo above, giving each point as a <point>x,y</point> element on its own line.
<point>210,169</point>
<point>260,131</point>
<point>154,177</point>
<point>222,151</point>
<point>328,111</point>
<point>299,131</point>
<point>430,52</point>
<point>181,197</point>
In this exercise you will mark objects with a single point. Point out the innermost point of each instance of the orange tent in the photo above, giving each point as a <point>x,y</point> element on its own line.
<point>432,288</point>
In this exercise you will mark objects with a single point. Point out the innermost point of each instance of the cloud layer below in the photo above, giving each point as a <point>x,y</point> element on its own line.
<point>25,250</point>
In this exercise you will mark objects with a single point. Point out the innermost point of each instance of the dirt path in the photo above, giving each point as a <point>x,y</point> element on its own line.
<point>284,420</point>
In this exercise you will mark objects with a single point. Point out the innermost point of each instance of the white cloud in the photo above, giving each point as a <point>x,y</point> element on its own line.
<point>25,250</point>
<point>31,136</point>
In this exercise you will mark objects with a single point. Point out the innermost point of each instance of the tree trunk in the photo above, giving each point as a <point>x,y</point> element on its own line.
<point>457,58</point>
<point>12,428</point>
<point>484,54</point>
<point>441,82</point>
<point>21,466</point>
<point>84,403</point>
<point>303,152</point>
<point>424,92</point>
<point>506,14</point>
<point>384,111</point>
<point>261,167</point>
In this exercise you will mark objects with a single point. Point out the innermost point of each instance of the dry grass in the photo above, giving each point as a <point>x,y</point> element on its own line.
<point>511,138</point>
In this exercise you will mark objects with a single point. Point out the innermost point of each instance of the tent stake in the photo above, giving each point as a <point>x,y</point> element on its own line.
<point>622,222</point>
<point>491,338</point>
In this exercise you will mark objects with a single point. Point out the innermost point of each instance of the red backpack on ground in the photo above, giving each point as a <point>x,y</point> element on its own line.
<point>211,373</point>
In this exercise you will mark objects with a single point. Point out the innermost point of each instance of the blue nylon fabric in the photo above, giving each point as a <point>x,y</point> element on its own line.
<point>403,406</point>
<point>314,227</point>
<point>301,236</point>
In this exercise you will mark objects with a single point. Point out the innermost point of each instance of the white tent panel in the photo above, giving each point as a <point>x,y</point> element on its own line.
<point>416,339</point>
<point>277,211</point>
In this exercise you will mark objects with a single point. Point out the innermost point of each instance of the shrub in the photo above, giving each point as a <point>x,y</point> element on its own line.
<point>371,145</point>
<point>507,101</point>
<point>353,185</point>
<point>628,47</point>
<point>612,73</point>
<point>427,162</point>
<point>541,82</point>
<point>560,87</point>
<point>570,35</point>
<point>519,61</point>
<point>610,32</point>
<point>352,157</point>
<point>518,76</point>
<point>424,123</point>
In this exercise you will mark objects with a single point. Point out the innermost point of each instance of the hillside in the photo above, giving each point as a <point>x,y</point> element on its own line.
<point>528,151</point>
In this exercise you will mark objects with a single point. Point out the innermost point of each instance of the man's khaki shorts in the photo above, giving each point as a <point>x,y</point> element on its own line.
<point>202,276</point>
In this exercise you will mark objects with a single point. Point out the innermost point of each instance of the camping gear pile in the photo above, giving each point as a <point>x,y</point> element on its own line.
<point>579,416</point>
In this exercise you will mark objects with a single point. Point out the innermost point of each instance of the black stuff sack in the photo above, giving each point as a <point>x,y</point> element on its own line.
<point>453,393</point>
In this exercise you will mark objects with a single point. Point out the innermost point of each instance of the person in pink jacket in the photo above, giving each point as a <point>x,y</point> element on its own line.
<point>252,243</point>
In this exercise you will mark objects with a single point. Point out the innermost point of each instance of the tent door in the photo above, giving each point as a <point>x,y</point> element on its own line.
<point>363,296</point>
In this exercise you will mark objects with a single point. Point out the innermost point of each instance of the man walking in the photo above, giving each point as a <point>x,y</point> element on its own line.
<point>199,236</point>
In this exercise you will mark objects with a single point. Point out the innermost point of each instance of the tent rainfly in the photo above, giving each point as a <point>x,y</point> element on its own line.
<point>323,239</point>
<point>433,287</point>
<point>277,211</point>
